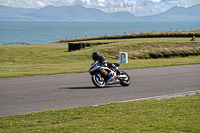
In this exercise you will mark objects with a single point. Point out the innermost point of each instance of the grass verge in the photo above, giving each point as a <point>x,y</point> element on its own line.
<point>30,60</point>
<point>180,114</point>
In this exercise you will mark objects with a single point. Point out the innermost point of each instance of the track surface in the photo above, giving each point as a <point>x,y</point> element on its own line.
<point>27,94</point>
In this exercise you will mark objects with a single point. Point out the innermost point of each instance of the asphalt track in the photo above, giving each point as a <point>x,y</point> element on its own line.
<point>28,94</point>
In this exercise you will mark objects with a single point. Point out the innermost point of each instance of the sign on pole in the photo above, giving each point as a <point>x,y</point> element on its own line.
<point>123,57</point>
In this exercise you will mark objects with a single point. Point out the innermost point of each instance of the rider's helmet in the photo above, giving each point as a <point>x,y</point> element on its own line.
<point>96,56</point>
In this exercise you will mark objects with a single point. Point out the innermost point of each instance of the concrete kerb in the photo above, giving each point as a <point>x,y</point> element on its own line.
<point>162,96</point>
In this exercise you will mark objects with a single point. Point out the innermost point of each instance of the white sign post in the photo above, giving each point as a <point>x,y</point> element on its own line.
<point>123,57</point>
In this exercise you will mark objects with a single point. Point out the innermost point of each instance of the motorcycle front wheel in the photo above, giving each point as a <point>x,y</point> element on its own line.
<point>125,81</point>
<point>98,82</point>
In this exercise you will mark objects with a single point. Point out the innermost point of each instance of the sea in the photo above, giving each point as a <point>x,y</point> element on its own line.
<point>21,33</point>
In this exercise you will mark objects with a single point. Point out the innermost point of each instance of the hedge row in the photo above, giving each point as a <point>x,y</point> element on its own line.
<point>139,35</point>
<point>163,55</point>
<point>166,54</point>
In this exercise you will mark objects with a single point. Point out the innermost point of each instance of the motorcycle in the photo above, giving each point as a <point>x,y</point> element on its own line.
<point>99,73</point>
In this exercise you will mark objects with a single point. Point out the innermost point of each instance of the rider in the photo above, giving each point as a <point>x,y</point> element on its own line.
<point>101,59</point>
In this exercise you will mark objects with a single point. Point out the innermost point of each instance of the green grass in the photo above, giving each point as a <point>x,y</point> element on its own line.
<point>29,60</point>
<point>40,60</point>
<point>177,115</point>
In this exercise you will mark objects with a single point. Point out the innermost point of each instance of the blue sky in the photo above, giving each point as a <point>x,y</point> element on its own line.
<point>136,7</point>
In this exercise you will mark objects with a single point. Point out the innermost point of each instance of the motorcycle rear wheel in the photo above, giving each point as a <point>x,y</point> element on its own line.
<point>126,81</point>
<point>98,82</point>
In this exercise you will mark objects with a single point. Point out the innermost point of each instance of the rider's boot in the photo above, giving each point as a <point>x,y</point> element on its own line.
<point>115,68</point>
<point>118,72</point>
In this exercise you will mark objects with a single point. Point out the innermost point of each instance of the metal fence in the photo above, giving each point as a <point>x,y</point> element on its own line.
<point>17,43</point>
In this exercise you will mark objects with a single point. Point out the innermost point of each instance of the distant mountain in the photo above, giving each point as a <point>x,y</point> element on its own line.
<point>176,14</point>
<point>10,13</point>
<point>75,13</point>
<point>79,13</point>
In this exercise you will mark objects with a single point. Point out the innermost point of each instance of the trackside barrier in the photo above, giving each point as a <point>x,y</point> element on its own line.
<point>78,46</point>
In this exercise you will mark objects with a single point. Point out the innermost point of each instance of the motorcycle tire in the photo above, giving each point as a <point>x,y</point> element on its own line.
<point>98,82</point>
<point>126,81</point>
